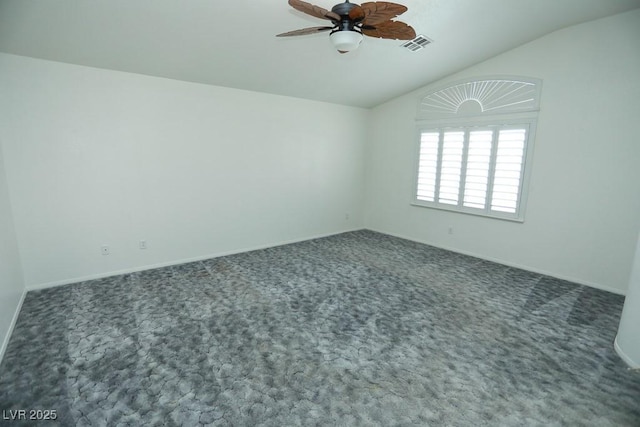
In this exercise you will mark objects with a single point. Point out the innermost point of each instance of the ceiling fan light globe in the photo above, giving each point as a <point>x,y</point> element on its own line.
<point>346,41</point>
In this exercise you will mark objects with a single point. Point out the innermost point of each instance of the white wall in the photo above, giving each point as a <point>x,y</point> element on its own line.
<point>583,211</point>
<point>97,157</point>
<point>627,342</point>
<point>11,283</point>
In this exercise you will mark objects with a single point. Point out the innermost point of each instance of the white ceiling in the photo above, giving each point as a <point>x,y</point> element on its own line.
<point>232,42</point>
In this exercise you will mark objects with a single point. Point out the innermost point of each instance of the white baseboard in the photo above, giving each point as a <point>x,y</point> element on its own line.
<point>624,356</point>
<point>12,325</point>
<point>511,264</point>
<point>53,284</point>
<point>287,242</point>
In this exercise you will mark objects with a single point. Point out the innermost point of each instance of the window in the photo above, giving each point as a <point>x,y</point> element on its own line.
<point>473,169</point>
<point>474,141</point>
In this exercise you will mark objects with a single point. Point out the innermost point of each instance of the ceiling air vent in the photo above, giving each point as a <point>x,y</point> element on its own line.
<point>418,43</point>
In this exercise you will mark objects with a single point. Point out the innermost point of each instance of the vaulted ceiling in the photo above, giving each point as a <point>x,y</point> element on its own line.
<point>232,43</point>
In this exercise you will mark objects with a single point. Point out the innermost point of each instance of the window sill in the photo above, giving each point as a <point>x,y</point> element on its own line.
<point>506,217</point>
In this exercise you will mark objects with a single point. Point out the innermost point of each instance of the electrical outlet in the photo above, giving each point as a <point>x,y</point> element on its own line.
<point>143,244</point>
<point>104,250</point>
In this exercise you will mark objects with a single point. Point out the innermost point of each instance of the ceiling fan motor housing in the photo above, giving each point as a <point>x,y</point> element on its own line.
<point>346,23</point>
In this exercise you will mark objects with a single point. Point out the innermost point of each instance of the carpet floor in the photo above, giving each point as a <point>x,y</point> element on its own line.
<point>355,329</point>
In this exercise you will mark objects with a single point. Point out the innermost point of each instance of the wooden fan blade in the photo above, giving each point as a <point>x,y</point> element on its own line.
<point>394,30</point>
<point>377,12</point>
<point>356,13</point>
<point>305,31</point>
<point>313,10</point>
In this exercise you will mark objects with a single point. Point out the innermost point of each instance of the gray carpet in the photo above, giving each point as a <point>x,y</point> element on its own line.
<point>354,329</point>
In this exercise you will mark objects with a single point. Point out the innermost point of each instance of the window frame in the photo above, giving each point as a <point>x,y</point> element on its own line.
<point>494,122</point>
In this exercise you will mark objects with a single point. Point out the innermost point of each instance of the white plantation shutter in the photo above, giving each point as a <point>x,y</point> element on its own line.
<point>478,165</point>
<point>473,169</point>
<point>428,165</point>
<point>508,170</point>
<point>450,168</point>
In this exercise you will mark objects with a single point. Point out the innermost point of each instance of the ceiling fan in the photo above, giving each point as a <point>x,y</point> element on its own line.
<point>350,21</point>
